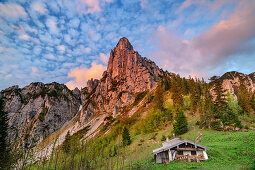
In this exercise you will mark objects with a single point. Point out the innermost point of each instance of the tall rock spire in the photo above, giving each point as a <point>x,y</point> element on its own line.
<point>124,44</point>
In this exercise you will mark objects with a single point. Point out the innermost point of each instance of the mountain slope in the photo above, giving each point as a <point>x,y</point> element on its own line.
<point>38,110</point>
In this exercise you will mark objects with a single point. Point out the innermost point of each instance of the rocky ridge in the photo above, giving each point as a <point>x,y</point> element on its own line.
<point>38,110</point>
<point>231,82</point>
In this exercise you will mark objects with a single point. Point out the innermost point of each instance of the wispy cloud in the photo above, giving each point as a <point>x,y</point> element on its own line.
<point>82,74</point>
<point>211,51</point>
<point>12,11</point>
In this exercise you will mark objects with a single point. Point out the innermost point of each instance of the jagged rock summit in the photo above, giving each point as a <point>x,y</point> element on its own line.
<point>231,81</point>
<point>128,73</point>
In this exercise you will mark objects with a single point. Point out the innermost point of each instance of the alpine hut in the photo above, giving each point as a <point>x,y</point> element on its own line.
<point>180,150</point>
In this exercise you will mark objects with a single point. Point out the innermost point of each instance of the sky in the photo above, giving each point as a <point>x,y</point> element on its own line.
<point>69,41</point>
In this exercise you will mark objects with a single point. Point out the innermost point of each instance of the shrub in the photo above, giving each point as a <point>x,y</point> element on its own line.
<point>181,124</point>
<point>216,125</point>
<point>163,138</point>
<point>43,113</point>
<point>126,137</point>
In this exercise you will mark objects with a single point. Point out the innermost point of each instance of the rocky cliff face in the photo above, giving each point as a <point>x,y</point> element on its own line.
<point>38,110</point>
<point>127,74</point>
<point>230,81</point>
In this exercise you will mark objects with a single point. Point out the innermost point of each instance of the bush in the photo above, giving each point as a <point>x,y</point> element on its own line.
<point>181,124</point>
<point>163,138</point>
<point>43,113</point>
<point>216,125</point>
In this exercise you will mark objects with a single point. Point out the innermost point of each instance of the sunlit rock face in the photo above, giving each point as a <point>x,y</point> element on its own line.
<point>231,82</point>
<point>38,110</point>
<point>127,74</point>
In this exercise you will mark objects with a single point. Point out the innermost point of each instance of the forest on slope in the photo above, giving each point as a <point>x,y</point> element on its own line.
<point>176,107</point>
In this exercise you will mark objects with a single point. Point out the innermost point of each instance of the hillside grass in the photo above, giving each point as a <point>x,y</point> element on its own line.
<point>229,150</point>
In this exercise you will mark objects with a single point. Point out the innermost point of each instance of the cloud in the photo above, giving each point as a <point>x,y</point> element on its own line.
<point>12,10</point>
<point>34,70</point>
<point>39,7</point>
<point>88,6</point>
<point>51,23</point>
<point>82,74</point>
<point>61,48</point>
<point>212,51</point>
<point>24,37</point>
<point>104,57</point>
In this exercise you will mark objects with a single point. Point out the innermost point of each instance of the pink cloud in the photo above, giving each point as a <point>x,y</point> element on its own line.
<point>39,7</point>
<point>12,10</point>
<point>210,50</point>
<point>82,74</point>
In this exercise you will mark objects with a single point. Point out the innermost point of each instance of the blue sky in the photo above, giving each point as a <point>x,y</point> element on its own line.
<point>69,41</point>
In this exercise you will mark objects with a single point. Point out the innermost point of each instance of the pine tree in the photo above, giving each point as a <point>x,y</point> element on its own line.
<point>180,125</point>
<point>67,143</point>
<point>176,92</point>
<point>207,108</point>
<point>158,98</point>
<point>220,100</point>
<point>126,137</point>
<point>252,101</point>
<point>194,95</point>
<point>4,150</point>
<point>243,96</point>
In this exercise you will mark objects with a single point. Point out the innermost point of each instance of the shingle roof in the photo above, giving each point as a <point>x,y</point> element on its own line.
<point>175,142</point>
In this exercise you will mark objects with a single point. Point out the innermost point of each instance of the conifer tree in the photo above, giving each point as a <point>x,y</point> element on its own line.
<point>180,125</point>
<point>207,108</point>
<point>243,96</point>
<point>126,137</point>
<point>176,92</point>
<point>158,98</point>
<point>67,143</point>
<point>220,100</point>
<point>194,95</point>
<point>252,101</point>
<point>4,150</point>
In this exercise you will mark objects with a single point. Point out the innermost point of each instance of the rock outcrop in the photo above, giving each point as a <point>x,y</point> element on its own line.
<point>230,81</point>
<point>38,110</point>
<point>127,74</point>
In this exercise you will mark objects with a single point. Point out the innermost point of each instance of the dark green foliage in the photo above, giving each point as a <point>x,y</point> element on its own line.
<point>244,96</point>
<point>126,137</point>
<point>66,146</point>
<point>207,109</point>
<point>163,138</point>
<point>150,98</point>
<point>4,150</point>
<point>78,135</point>
<point>43,113</point>
<point>158,98</point>
<point>252,101</point>
<point>176,89</point>
<point>230,118</point>
<point>180,125</point>
<point>216,125</point>
<point>139,97</point>
<point>220,100</point>
<point>195,93</point>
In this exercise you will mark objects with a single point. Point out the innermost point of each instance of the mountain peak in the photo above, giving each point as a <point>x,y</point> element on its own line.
<point>124,44</point>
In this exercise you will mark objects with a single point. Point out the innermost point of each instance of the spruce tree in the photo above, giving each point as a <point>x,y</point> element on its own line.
<point>126,137</point>
<point>252,101</point>
<point>194,95</point>
<point>176,92</point>
<point>67,143</point>
<point>207,108</point>
<point>243,96</point>
<point>4,150</point>
<point>220,99</point>
<point>180,125</point>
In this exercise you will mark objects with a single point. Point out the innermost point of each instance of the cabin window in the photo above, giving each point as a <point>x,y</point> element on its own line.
<point>193,153</point>
<point>180,152</point>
